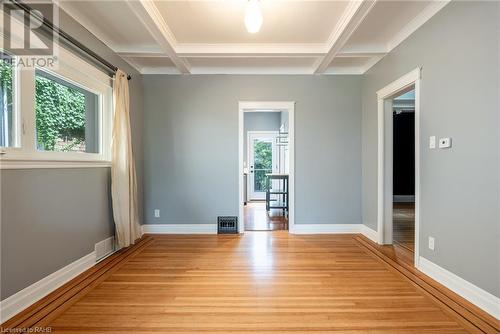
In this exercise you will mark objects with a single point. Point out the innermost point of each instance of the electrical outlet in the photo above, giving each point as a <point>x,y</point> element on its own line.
<point>157,213</point>
<point>444,142</point>
<point>432,142</point>
<point>431,243</point>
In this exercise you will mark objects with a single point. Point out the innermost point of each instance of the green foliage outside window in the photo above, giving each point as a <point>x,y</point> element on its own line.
<point>5,101</point>
<point>60,115</point>
<point>60,110</point>
<point>263,164</point>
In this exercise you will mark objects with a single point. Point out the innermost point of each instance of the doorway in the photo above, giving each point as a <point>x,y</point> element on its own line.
<point>399,165</point>
<point>266,178</point>
<point>262,159</point>
<point>403,171</point>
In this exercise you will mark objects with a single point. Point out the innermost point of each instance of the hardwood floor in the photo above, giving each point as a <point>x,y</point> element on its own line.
<point>257,282</point>
<point>404,225</point>
<point>258,219</point>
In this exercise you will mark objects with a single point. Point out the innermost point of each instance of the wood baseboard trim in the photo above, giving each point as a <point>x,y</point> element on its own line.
<point>49,307</point>
<point>471,316</point>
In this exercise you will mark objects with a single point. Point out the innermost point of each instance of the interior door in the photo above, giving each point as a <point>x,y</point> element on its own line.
<point>262,160</point>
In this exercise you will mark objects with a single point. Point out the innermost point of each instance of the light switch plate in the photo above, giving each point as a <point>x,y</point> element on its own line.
<point>431,243</point>
<point>444,142</point>
<point>432,142</point>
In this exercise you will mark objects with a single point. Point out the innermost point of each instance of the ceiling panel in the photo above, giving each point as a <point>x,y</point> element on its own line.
<point>385,20</point>
<point>111,21</point>
<point>151,61</point>
<point>222,21</point>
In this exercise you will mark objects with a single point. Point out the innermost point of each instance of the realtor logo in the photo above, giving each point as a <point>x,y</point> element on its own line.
<point>26,33</point>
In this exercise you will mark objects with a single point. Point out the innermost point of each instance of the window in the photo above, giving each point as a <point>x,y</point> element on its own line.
<point>67,116</point>
<point>54,117</point>
<point>7,114</point>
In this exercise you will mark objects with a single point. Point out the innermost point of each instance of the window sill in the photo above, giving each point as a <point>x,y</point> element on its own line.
<point>34,164</point>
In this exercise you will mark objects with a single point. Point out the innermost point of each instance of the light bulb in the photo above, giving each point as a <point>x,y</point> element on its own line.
<point>253,16</point>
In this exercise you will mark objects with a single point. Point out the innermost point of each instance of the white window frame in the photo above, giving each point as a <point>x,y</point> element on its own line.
<point>73,69</point>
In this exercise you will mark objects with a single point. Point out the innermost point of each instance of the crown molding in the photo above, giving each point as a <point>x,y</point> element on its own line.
<point>250,49</point>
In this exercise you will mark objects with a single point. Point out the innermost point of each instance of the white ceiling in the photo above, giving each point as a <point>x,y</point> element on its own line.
<point>209,37</point>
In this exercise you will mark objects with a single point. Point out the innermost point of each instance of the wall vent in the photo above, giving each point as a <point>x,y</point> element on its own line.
<point>227,225</point>
<point>104,248</point>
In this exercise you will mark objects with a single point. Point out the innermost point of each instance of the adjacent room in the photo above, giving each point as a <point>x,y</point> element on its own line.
<point>249,166</point>
<point>265,170</point>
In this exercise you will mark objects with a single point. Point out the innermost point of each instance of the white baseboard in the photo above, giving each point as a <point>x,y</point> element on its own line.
<point>477,296</point>
<point>179,229</point>
<point>335,229</point>
<point>33,293</point>
<point>369,233</point>
<point>326,228</point>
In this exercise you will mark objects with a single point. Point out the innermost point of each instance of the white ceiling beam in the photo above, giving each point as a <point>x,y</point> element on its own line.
<point>366,54</point>
<point>251,50</point>
<point>354,14</point>
<point>142,54</point>
<point>147,12</point>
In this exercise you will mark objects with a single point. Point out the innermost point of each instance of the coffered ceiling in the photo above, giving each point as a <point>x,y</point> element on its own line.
<point>209,36</point>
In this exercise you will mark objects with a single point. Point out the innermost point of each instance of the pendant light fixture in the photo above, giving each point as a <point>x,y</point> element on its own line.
<point>253,16</point>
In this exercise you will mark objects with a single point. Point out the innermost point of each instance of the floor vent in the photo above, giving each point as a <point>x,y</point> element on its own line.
<point>227,225</point>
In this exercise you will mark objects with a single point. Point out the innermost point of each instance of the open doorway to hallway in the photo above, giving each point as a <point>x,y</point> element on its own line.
<point>403,213</point>
<point>398,179</point>
<point>265,169</point>
<point>266,188</point>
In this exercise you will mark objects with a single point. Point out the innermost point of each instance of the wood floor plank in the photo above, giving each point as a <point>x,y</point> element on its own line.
<point>254,283</point>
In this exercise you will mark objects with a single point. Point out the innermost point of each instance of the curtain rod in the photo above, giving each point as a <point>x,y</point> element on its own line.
<point>68,38</point>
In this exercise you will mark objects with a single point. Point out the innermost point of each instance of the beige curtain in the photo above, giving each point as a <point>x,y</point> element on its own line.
<point>123,177</point>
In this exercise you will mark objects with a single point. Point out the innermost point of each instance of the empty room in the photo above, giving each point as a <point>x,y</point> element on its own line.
<point>249,166</point>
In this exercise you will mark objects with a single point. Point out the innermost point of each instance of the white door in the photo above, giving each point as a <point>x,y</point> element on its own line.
<point>262,160</point>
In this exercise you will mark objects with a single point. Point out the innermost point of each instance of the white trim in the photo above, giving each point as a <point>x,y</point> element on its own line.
<point>327,228</point>
<point>411,78</point>
<point>477,296</point>
<point>252,70</point>
<point>224,50</point>
<point>35,164</point>
<point>258,106</point>
<point>369,233</point>
<point>179,229</point>
<point>352,17</point>
<point>151,18</point>
<point>33,293</point>
<point>159,70</point>
<point>76,72</point>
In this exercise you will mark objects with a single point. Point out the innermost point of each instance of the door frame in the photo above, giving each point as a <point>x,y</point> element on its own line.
<point>384,179</point>
<point>267,106</point>
<point>261,134</point>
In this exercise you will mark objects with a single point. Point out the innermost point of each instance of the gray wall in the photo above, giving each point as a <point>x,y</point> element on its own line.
<point>191,146</point>
<point>259,121</point>
<point>52,217</point>
<point>459,51</point>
